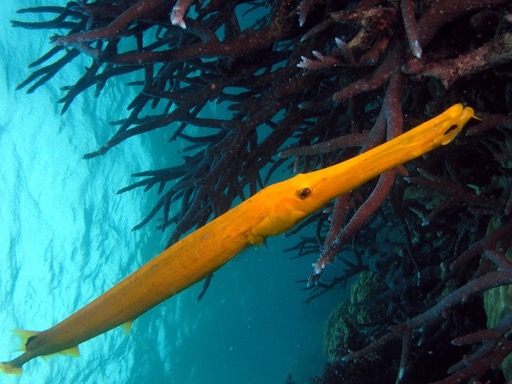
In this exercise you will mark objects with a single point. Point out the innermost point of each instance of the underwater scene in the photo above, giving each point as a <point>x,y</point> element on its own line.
<point>289,192</point>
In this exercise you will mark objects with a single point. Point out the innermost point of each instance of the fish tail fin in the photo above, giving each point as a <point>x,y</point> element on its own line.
<point>14,366</point>
<point>10,368</point>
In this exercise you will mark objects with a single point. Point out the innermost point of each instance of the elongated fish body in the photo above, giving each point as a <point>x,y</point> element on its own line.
<point>273,210</point>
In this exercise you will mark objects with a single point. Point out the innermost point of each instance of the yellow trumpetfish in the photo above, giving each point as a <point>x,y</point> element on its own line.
<point>269,212</point>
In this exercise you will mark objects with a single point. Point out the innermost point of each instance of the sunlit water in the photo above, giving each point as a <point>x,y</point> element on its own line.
<point>66,237</point>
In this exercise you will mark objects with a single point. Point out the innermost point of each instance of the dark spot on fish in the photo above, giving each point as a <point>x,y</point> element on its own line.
<point>31,338</point>
<point>451,128</point>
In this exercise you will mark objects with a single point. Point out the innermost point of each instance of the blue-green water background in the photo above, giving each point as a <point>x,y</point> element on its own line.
<point>66,237</point>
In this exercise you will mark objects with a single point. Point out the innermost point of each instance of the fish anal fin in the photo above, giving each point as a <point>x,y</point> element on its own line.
<point>73,351</point>
<point>127,327</point>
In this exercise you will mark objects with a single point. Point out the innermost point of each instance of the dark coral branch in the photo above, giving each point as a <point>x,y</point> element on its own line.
<point>490,121</point>
<point>58,22</point>
<point>452,189</point>
<point>369,207</point>
<point>487,242</point>
<point>492,54</point>
<point>178,12</point>
<point>391,112</point>
<point>379,78</point>
<point>46,73</point>
<point>351,140</point>
<point>112,30</point>
<point>374,21</point>
<point>438,312</point>
<point>407,8</point>
<point>443,12</point>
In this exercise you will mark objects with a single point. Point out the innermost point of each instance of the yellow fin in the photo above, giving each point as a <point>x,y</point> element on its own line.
<point>24,336</point>
<point>10,369</point>
<point>73,351</point>
<point>127,327</point>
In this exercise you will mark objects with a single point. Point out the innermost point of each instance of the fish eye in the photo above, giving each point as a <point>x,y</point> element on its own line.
<point>304,192</point>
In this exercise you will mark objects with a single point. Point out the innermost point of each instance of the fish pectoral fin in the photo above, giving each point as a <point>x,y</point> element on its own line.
<point>127,327</point>
<point>10,369</point>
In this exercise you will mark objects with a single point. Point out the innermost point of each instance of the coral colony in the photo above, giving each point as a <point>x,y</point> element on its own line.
<point>318,82</point>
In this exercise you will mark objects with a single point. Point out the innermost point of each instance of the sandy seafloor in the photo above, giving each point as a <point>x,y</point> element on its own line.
<point>66,237</point>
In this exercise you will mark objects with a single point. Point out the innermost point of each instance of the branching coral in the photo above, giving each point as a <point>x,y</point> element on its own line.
<point>320,81</point>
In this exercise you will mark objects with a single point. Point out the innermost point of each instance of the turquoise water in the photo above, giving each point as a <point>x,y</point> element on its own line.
<point>66,238</point>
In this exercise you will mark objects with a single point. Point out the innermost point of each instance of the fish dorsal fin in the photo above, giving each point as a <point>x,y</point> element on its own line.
<point>24,336</point>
